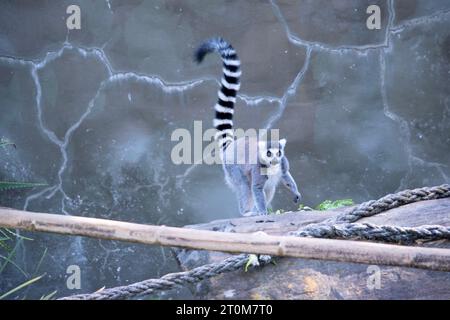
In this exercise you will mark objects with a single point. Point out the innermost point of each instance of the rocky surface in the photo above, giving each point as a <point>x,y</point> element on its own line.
<point>365,112</point>
<point>291,278</point>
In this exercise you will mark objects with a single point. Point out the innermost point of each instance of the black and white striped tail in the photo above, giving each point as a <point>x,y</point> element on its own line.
<point>230,85</point>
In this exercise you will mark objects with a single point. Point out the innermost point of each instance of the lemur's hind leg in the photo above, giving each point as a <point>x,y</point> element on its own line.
<point>269,192</point>
<point>258,182</point>
<point>240,183</point>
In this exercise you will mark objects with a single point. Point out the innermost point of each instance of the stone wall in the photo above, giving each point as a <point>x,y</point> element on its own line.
<point>365,112</point>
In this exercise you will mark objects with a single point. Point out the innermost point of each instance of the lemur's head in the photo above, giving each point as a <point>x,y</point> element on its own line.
<point>271,152</point>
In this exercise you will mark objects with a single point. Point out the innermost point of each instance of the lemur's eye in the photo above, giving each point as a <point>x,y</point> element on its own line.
<point>269,154</point>
<point>279,153</point>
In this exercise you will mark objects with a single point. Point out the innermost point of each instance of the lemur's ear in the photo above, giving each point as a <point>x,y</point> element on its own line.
<point>282,143</point>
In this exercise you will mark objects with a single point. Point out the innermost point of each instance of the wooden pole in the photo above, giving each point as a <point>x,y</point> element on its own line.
<point>258,243</point>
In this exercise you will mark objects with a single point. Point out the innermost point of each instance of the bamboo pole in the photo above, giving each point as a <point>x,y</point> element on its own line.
<point>258,243</point>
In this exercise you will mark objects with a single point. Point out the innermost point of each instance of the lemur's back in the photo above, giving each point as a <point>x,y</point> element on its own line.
<point>242,152</point>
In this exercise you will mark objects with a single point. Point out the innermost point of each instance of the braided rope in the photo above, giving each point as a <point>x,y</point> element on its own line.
<point>166,282</point>
<point>395,200</point>
<point>368,231</point>
<point>342,226</point>
<point>373,207</point>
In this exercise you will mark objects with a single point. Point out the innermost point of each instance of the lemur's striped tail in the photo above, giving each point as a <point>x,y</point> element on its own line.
<point>230,85</point>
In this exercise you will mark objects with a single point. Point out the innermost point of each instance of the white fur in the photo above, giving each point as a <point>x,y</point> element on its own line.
<point>226,98</point>
<point>229,73</point>
<point>230,86</point>
<point>220,108</point>
<point>229,62</point>
<point>218,122</point>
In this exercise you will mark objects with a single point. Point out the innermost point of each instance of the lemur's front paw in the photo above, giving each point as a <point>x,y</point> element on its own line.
<point>297,197</point>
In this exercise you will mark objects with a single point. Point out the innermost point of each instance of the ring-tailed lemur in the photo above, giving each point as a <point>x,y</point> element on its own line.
<point>254,183</point>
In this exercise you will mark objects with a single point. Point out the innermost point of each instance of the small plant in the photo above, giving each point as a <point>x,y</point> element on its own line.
<point>328,204</point>
<point>6,142</point>
<point>277,212</point>
<point>8,237</point>
<point>48,296</point>
<point>252,261</point>
<point>9,185</point>
<point>302,207</point>
<point>21,286</point>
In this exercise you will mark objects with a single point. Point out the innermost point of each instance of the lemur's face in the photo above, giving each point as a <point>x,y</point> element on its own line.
<point>270,153</point>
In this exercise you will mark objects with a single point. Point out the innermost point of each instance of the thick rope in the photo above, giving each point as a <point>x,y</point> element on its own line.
<point>368,231</point>
<point>167,282</point>
<point>392,201</point>
<point>342,226</point>
<point>371,208</point>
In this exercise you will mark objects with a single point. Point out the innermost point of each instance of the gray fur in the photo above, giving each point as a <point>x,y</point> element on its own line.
<point>248,168</point>
<point>255,184</point>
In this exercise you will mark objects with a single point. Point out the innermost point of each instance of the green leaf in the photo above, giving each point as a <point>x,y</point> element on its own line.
<point>252,261</point>
<point>40,262</point>
<point>303,207</point>
<point>277,212</point>
<point>9,185</point>
<point>6,238</point>
<point>17,235</point>
<point>23,285</point>
<point>328,204</point>
<point>9,258</point>
<point>3,237</point>
<point>6,142</point>
<point>49,296</point>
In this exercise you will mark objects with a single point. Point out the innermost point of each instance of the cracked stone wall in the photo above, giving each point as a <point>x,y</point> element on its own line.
<point>365,113</point>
